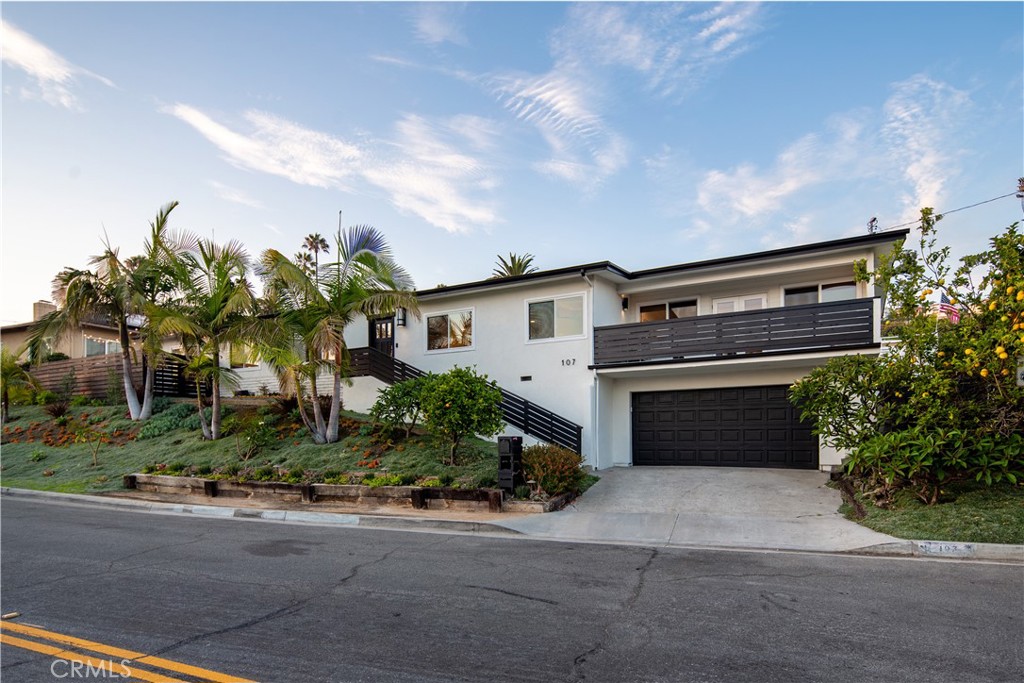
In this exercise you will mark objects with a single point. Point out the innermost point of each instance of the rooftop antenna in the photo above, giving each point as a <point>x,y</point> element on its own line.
<point>873,225</point>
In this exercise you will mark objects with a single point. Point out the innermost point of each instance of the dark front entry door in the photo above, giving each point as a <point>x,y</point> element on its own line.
<point>382,335</point>
<point>741,427</point>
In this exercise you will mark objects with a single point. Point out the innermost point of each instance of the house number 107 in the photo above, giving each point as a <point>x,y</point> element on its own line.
<point>566,362</point>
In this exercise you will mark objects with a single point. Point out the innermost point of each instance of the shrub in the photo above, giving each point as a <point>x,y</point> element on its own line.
<point>252,436</point>
<point>174,417</point>
<point>522,492</point>
<point>398,406</point>
<point>45,397</point>
<point>461,403</point>
<point>555,469</point>
<point>383,480</point>
<point>942,404</point>
<point>58,409</point>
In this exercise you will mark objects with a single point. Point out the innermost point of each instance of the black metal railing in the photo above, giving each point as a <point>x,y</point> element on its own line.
<point>836,325</point>
<point>517,411</point>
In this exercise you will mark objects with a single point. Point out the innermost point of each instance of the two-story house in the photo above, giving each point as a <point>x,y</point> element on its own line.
<point>681,365</point>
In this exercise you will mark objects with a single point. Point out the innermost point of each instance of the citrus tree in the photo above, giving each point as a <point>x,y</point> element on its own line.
<point>942,403</point>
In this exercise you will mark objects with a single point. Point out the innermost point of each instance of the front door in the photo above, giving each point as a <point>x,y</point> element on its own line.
<point>382,335</point>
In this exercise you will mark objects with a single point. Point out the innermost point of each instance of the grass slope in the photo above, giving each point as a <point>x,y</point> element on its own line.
<point>37,454</point>
<point>968,513</point>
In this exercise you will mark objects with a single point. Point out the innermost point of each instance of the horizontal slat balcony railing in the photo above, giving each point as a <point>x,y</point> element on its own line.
<point>522,414</point>
<point>814,327</point>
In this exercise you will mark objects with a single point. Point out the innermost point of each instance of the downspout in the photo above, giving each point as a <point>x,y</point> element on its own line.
<point>595,395</point>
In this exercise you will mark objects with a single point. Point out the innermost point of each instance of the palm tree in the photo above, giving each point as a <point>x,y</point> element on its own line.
<point>315,311</point>
<point>516,265</point>
<point>125,293</point>
<point>12,376</point>
<point>315,243</point>
<point>305,261</point>
<point>218,305</point>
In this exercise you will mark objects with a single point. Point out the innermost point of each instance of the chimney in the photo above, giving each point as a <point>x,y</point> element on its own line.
<point>41,308</point>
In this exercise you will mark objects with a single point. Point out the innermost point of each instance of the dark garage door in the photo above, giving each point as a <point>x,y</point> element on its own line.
<point>740,427</point>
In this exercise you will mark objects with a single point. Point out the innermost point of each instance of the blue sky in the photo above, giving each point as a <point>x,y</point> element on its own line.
<point>644,134</point>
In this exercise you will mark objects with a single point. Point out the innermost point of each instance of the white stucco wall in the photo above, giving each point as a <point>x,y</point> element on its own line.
<point>559,378</point>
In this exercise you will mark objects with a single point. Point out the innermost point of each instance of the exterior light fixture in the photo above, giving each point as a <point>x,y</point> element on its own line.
<point>625,303</point>
<point>400,317</point>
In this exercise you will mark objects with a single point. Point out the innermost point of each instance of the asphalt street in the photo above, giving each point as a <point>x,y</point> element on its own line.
<point>270,601</point>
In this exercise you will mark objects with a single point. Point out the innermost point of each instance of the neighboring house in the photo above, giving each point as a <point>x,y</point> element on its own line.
<point>91,338</point>
<point>681,365</point>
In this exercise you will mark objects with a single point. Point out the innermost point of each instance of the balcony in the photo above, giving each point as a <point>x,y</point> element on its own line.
<point>793,329</point>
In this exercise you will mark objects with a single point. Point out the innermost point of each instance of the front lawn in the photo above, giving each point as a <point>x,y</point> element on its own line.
<point>38,453</point>
<point>968,513</point>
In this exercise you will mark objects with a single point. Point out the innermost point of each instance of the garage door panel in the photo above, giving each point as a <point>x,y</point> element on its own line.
<point>743,427</point>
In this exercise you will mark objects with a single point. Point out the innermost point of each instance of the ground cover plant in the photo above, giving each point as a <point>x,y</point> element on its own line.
<point>260,444</point>
<point>968,512</point>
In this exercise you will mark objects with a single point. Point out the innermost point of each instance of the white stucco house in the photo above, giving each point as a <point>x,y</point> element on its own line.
<point>687,364</point>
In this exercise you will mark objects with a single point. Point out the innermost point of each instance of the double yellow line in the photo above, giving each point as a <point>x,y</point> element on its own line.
<point>119,662</point>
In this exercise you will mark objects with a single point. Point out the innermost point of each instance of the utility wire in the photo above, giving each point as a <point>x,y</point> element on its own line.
<point>945,213</point>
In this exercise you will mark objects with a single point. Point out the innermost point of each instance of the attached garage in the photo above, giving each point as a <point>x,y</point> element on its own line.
<point>734,427</point>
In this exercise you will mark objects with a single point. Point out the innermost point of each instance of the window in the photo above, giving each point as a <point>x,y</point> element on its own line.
<point>735,304</point>
<point>838,291</point>
<point>555,318</point>
<point>669,311</point>
<point>452,330</point>
<point>812,294</point>
<point>240,356</point>
<point>100,347</point>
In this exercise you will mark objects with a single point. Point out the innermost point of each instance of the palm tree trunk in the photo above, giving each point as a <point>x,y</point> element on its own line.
<point>302,410</point>
<point>215,399</point>
<point>130,395</point>
<point>147,392</point>
<point>332,422</point>
<point>320,434</point>
<point>202,413</point>
<point>6,400</point>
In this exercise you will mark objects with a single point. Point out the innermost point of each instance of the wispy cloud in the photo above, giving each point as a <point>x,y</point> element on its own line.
<point>670,46</point>
<point>423,169</point>
<point>921,118</point>
<point>674,46</point>
<point>54,76</point>
<point>437,23</point>
<point>909,141</point>
<point>431,178</point>
<point>233,194</point>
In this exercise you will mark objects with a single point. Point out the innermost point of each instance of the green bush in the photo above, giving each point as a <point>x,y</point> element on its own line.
<point>461,403</point>
<point>941,405</point>
<point>45,397</point>
<point>383,480</point>
<point>555,469</point>
<point>174,417</point>
<point>398,406</point>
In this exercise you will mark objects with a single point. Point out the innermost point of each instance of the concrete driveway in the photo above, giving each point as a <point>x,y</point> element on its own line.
<point>708,507</point>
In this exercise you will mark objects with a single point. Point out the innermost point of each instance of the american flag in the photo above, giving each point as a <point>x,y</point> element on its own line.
<point>951,311</point>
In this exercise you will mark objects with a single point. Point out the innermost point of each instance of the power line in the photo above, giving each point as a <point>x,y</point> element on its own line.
<point>946,213</point>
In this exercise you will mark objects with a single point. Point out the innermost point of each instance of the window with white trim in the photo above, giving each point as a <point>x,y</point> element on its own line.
<point>100,347</point>
<point>559,317</point>
<point>452,330</point>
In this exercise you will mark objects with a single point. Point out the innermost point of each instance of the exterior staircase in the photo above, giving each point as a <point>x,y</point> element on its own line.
<point>522,414</point>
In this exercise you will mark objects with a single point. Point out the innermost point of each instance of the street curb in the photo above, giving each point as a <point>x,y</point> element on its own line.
<point>295,516</point>
<point>951,550</point>
<point>948,550</point>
